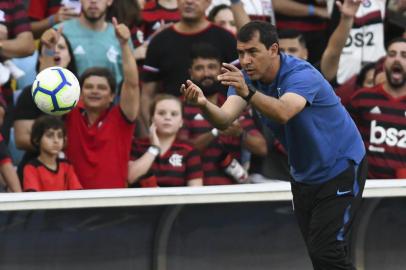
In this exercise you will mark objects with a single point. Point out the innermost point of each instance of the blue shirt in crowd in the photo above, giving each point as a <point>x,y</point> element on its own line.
<point>322,138</point>
<point>94,48</point>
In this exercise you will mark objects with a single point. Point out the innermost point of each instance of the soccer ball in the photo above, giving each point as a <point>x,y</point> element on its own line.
<point>55,91</point>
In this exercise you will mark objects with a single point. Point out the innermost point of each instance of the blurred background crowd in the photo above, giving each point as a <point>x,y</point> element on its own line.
<point>131,127</point>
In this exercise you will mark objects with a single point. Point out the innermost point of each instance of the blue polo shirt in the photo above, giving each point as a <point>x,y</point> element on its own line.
<point>322,139</point>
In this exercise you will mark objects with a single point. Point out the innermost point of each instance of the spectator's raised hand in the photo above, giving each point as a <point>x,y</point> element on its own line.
<point>50,38</point>
<point>349,7</point>
<point>193,94</point>
<point>153,137</point>
<point>123,34</point>
<point>3,32</point>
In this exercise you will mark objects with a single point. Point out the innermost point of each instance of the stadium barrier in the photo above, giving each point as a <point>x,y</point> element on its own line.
<point>275,191</point>
<point>219,227</point>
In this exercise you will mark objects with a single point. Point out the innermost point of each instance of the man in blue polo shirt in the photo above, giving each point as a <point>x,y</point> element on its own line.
<point>325,150</point>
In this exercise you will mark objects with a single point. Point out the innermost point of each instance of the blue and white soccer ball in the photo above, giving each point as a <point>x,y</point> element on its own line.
<point>55,91</point>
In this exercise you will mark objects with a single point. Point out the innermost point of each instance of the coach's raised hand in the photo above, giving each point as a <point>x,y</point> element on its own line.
<point>232,76</point>
<point>193,94</point>
<point>123,34</point>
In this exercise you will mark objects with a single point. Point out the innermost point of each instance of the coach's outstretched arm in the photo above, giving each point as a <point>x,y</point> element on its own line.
<point>130,90</point>
<point>280,110</point>
<point>222,117</point>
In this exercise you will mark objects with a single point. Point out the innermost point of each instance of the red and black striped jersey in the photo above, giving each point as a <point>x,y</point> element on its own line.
<point>137,36</point>
<point>194,125</point>
<point>14,17</point>
<point>180,164</point>
<point>153,14</point>
<point>41,9</point>
<point>381,120</point>
<point>38,177</point>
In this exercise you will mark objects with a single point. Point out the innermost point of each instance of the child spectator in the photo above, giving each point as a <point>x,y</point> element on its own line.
<point>163,160</point>
<point>47,172</point>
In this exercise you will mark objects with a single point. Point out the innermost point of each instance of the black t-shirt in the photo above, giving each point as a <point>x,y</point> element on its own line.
<point>168,55</point>
<point>25,108</point>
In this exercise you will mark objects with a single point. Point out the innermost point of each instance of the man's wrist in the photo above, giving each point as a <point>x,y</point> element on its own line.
<point>52,20</point>
<point>347,18</point>
<point>251,93</point>
<point>203,106</point>
<point>124,43</point>
<point>311,10</point>
<point>154,150</point>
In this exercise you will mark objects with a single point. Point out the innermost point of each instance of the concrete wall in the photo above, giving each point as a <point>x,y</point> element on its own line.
<point>258,235</point>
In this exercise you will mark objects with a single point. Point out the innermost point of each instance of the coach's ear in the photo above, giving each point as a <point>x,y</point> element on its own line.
<point>274,49</point>
<point>305,54</point>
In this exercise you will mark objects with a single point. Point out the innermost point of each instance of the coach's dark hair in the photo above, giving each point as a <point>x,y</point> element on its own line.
<point>161,97</point>
<point>205,51</point>
<point>292,34</point>
<point>214,11</point>
<point>267,33</point>
<point>100,72</point>
<point>41,125</point>
<point>395,40</point>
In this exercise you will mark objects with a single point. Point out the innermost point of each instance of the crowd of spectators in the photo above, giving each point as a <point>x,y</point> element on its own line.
<point>131,128</point>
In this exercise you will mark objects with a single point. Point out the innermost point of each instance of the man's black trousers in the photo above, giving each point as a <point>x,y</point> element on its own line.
<point>325,213</point>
